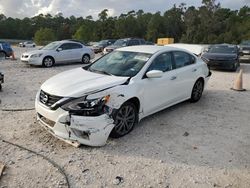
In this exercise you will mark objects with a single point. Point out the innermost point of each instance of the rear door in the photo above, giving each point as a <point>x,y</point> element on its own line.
<point>186,74</point>
<point>77,52</point>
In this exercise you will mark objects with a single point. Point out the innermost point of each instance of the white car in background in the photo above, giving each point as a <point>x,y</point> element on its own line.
<point>27,44</point>
<point>65,51</point>
<point>109,97</point>
<point>197,49</point>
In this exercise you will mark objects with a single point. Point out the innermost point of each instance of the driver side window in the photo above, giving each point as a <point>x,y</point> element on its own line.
<point>65,46</point>
<point>163,63</point>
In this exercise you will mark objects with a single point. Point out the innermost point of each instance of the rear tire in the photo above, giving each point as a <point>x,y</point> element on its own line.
<point>125,120</point>
<point>48,62</point>
<point>197,91</point>
<point>85,59</point>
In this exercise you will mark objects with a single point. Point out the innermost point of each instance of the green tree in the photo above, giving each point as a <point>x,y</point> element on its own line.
<point>155,27</point>
<point>44,36</point>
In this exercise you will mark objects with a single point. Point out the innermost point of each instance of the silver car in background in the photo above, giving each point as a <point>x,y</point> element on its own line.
<point>65,51</point>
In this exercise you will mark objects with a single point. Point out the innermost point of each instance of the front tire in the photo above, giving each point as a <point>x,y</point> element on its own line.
<point>125,119</point>
<point>85,59</point>
<point>48,62</point>
<point>2,55</point>
<point>197,91</point>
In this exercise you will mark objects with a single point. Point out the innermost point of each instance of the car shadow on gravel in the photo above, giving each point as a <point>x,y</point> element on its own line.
<point>204,133</point>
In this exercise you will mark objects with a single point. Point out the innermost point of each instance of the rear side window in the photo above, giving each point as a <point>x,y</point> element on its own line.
<point>162,62</point>
<point>75,46</point>
<point>70,46</point>
<point>183,59</point>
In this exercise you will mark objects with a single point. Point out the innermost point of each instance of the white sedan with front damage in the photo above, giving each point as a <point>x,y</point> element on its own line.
<point>109,97</point>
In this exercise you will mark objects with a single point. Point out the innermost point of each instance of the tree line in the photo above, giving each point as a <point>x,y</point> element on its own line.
<point>207,24</point>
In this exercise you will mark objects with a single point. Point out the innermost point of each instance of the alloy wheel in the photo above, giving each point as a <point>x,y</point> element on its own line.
<point>125,120</point>
<point>197,91</point>
<point>48,62</point>
<point>85,59</point>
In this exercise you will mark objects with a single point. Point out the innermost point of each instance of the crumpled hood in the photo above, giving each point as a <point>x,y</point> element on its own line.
<point>78,82</point>
<point>219,56</point>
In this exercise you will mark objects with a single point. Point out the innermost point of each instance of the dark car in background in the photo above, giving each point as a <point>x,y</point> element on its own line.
<point>97,48</point>
<point>245,51</point>
<point>124,42</point>
<point>222,56</point>
<point>5,49</point>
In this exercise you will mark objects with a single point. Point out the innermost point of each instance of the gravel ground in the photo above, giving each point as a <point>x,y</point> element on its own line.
<point>206,144</point>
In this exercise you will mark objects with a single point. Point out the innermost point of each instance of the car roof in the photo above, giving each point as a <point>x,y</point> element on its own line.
<point>130,38</point>
<point>193,48</point>
<point>223,45</point>
<point>149,49</point>
<point>71,41</point>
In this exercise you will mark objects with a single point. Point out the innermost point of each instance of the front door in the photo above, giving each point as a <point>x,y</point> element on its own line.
<point>159,92</point>
<point>64,54</point>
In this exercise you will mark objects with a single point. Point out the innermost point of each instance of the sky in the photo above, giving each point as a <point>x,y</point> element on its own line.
<point>29,8</point>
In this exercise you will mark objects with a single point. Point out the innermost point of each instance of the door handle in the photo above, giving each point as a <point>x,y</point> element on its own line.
<point>194,70</point>
<point>173,78</point>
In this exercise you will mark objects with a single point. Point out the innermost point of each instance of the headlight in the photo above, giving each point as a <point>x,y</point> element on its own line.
<point>36,55</point>
<point>86,106</point>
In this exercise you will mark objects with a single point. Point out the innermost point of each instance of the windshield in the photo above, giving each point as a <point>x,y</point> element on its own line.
<point>119,63</point>
<point>120,42</point>
<point>247,42</point>
<point>222,49</point>
<point>51,46</point>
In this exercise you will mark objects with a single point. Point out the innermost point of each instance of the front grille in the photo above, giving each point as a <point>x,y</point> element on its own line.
<point>48,99</point>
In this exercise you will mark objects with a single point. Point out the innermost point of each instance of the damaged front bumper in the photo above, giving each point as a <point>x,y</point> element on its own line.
<point>87,130</point>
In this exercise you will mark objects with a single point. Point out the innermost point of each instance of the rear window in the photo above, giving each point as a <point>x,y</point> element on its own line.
<point>222,49</point>
<point>183,59</point>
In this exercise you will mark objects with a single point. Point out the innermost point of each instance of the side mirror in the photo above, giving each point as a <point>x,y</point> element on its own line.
<point>240,53</point>
<point>59,49</point>
<point>154,74</point>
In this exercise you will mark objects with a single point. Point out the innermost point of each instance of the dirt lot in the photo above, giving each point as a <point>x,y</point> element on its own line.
<point>214,153</point>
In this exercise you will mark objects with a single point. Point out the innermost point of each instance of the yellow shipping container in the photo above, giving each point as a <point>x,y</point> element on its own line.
<point>164,41</point>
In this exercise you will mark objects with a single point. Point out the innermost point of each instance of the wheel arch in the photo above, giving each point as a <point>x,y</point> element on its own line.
<point>136,102</point>
<point>202,79</point>
<point>86,55</point>
<point>3,52</point>
<point>50,57</point>
<point>53,59</point>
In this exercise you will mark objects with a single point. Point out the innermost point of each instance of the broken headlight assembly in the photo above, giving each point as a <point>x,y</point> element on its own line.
<point>86,107</point>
